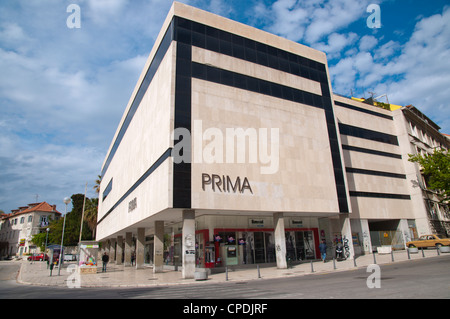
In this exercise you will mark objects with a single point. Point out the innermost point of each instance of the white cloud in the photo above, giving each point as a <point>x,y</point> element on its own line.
<point>63,91</point>
<point>416,72</point>
<point>336,44</point>
<point>310,21</point>
<point>367,42</point>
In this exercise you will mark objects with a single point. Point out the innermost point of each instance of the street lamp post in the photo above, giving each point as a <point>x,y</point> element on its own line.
<point>66,201</point>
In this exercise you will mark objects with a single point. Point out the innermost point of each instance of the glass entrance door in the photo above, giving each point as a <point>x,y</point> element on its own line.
<point>300,245</point>
<point>260,255</point>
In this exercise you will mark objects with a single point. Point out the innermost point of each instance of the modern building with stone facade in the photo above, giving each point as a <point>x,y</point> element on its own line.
<point>234,150</point>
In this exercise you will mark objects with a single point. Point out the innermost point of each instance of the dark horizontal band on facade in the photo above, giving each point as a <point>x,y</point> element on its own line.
<point>375,173</point>
<point>379,195</point>
<point>245,82</point>
<point>370,151</point>
<point>221,41</point>
<point>355,131</point>
<point>359,109</point>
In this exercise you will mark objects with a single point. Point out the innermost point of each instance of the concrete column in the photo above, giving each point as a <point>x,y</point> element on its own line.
<point>367,242</point>
<point>280,240</point>
<point>404,228</point>
<point>140,243</point>
<point>188,248</point>
<point>107,246</point>
<point>128,243</point>
<point>119,250</point>
<point>346,231</point>
<point>112,251</point>
<point>158,246</point>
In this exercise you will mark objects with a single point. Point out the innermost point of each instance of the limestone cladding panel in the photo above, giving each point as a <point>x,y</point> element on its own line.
<point>381,208</point>
<point>304,180</point>
<point>372,162</point>
<point>360,119</point>
<point>226,62</point>
<point>376,184</point>
<point>148,135</point>
<point>368,144</point>
<point>151,197</point>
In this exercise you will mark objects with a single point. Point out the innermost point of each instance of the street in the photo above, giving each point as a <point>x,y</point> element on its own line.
<point>427,278</point>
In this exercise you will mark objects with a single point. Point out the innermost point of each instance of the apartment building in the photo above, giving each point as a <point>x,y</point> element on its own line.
<point>18,227</point>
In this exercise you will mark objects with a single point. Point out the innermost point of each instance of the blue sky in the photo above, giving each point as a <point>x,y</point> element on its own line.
<point>63,91</point>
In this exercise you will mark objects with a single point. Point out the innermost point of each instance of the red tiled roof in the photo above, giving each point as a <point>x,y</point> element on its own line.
<point>35,207</point>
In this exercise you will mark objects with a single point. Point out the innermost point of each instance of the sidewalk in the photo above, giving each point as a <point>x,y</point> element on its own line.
<point>36,273</point>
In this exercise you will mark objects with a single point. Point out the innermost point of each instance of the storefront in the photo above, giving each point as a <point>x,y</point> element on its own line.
<point>148,250</point>
<point>220,246</point>
<point>250,246</point>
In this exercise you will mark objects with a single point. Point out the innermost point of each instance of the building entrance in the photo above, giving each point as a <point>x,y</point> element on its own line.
<point>300,245</point>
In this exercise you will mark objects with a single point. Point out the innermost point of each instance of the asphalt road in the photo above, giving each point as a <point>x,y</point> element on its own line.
<point>425,279</point>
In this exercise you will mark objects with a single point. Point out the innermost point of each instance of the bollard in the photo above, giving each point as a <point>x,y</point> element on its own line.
<point>354,262</point>
<point>226,273</point>
<point>334,263</point>
<point>423,253</point>
<point>312,267</point>
<point>259,274</point>
<point>438,251</point>
<point>409,256</point>
<point>374,259</point>
<point>392,255</point>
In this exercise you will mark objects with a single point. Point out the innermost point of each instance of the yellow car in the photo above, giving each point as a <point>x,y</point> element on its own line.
<point>429,241</point>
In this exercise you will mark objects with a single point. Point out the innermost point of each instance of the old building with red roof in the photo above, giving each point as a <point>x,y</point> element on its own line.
<point>18,228</point>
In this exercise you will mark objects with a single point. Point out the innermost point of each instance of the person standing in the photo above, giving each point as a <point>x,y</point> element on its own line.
<point>323,250</point>
<point>105,259</point>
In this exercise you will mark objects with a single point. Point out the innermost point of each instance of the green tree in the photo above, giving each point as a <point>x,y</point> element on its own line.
<point>436,170</point>
<point>97,184</point>
<point>72,227</point>
<point>39,240</point>
<point>90,214</point>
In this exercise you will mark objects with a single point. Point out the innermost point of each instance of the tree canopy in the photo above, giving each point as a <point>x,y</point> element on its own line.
<point>436,170</point>
<point>72,227</point>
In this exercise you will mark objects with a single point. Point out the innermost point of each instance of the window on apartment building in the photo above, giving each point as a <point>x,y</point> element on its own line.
<point>413,129</point>
<point>43,221</point>
<point>22,220</point>
<point>30,218</point>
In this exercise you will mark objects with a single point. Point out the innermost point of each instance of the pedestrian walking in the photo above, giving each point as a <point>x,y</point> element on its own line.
<point>105,259</point>
<point>133,258</point>
<point>323,250</point>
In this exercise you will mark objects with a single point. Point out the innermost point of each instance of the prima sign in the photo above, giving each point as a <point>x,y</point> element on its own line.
<point>132,205</point>
<point>224,184</point>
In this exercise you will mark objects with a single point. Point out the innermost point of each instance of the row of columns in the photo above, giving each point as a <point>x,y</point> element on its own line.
<point>188,243</point>
<point>114,244</point>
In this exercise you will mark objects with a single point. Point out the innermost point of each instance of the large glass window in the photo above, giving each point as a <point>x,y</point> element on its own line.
<point>300,245</point>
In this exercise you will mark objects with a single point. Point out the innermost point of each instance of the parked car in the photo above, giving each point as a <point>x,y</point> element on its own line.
<point>39,257</point>
<point>429,241</point>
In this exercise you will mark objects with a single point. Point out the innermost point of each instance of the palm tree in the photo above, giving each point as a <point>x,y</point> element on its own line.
<point>90,214</point>
<point>97,184</point>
